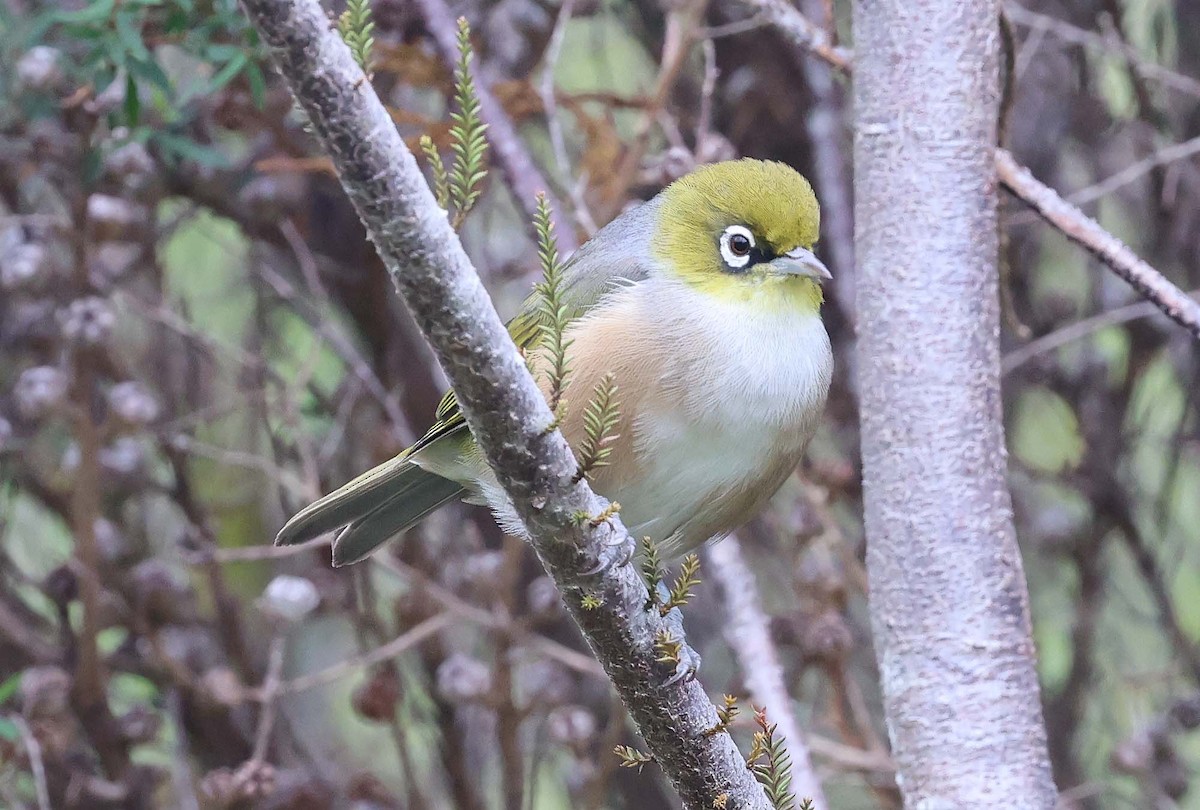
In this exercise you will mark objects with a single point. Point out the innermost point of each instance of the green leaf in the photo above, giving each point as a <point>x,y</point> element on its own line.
<point>258,85</point>
<point>133,104</point>
<point>221,52</point>
<point>228,72</point>
<point>180,148</point>
<point>9,730</point>
<point>131,36</point>
<point>97,12</point>
<point>9,686</point>
<point>150,71</point>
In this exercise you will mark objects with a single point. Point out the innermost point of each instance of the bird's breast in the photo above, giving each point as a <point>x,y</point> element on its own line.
<point>718,400</point>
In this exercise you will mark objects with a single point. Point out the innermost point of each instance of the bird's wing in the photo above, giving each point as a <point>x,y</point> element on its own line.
<point>618,255</point>
<point>390,498</point>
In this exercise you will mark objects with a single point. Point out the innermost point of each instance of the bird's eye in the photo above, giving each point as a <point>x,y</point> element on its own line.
<point>737,243</point>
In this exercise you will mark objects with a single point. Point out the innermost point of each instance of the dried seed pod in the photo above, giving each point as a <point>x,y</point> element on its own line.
<point>23,266</point>
<point>87,321</point>
<point>289,599</point>
<point>133,403</point>
<point>39,69</point>
<point>39,390</point>
<point>376,698</point>
<point>463,679</point>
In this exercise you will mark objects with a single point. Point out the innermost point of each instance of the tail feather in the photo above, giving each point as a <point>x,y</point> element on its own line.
<point>424,494</point>
<point>378,487</point>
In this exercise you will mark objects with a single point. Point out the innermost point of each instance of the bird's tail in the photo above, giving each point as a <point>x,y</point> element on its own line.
<point>375,507</point>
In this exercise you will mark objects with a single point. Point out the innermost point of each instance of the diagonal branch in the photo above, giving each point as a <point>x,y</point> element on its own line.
<point>748,632</point>
<point>1087,232</point>
<point>800,31</point>
<point>503,406</point>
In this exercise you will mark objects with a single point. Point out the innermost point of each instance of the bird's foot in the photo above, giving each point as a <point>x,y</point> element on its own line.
<point>613,555</point>
<point>670,646</point>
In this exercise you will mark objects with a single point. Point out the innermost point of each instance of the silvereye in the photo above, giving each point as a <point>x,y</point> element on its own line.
<point>704,304</point>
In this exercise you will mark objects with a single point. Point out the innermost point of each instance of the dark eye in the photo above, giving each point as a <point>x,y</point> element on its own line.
<point>737,247</point>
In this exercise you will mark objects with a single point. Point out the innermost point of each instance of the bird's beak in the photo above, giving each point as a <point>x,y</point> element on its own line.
<point>801,262</point>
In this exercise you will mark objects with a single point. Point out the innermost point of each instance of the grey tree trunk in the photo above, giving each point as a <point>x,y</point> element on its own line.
<point>949,605</point>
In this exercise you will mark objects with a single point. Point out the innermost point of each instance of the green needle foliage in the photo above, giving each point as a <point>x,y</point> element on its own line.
<point>727,712</point>
<point>468,142</point>
<point>668,648</point>
<point>770,764</point>
<point>653,570</point>
<point>441,182</point>
<point>600,420</point>
<point>458,188</point>
<point>632,758</point>
<point>681,591</point>
<point>356,27</point>
<point>553,315</point>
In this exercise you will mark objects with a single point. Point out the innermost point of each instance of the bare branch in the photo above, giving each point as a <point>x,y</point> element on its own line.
<point>1075,35</point>
<point>747,632</point>
<point>503,406</point>
<point>334,672</point>
<point>1084,230</point>
<point>1162,157</point>
<point>36,766</point>
<point>1078,330</point>
<point>800,31</point>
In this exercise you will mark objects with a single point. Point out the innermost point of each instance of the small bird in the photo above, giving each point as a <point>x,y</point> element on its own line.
<point>704,305</point>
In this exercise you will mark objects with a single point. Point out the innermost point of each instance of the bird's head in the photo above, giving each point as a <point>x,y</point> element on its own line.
<point>744,230</point>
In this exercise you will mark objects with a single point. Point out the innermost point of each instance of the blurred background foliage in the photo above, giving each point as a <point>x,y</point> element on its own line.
<point>195,340</point>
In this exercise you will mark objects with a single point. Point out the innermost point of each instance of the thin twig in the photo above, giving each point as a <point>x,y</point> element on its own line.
<point>800,31</point>
<point>847,757</point>
<point>733,28</point>
<point>550,103</point>
<point>341,344</point>
<point>1085,231</point>
<point>581,663</point>
<point>1076,225</point>
<point>826,127</point>
<point>36,766</point>
<point>1075,35</point>
<point>682,22</point>
<point>270,689</point>
<point>334,672</point>
<point>1164,156</point>
<point>1078,330</point>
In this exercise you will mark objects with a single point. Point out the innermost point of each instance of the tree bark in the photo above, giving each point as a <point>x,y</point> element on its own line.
<point>503,406</point>
<point>949,604</point>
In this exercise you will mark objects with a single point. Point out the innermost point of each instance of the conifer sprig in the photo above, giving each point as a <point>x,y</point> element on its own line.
<point>356,28</point>
<point>653,570</point>
<point>553,315</point>
<point>681,591</point>
<point>468,143</point>
<point>770,764</point>
<point>600,420</point>
<point>441,182</point>
<point>632,758</point>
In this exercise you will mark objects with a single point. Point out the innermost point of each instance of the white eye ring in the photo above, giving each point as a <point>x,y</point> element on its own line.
<point>735,260</point>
